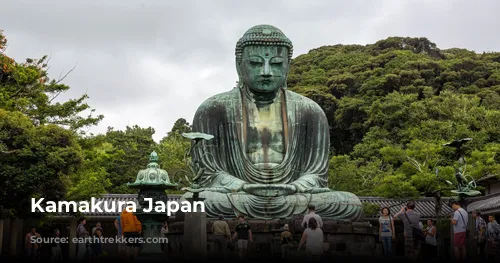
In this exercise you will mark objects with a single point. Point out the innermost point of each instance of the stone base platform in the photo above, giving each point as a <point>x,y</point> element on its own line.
<point>341,238</point>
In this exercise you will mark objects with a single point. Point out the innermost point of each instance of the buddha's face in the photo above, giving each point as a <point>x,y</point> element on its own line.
<point>264,68</point>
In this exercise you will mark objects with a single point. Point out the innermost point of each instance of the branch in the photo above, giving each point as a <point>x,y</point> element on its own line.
<point>47,63</point>
<point>426,159</point>
<point>8,152</point>
<point>65,75</point>
<point>55,96</point>
<point>59,80</point>
<point>17,92</point>
<point>415,163</point>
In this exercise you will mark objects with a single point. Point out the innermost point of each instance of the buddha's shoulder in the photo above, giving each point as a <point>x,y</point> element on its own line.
<point>221,99</point>
<point>302,101</point>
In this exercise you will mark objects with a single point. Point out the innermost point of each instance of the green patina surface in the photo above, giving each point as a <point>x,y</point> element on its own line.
<point>268,157</point>
<point>464,187</point>
<point>152,183</point>
<point>153,175</point>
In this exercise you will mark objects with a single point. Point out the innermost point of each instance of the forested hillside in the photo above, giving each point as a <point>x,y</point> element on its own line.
<point>391,106</point>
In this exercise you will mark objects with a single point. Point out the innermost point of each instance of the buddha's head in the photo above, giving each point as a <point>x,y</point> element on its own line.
<point>263,57</point>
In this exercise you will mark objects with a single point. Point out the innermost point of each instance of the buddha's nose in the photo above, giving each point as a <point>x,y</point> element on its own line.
<point>266,71</point>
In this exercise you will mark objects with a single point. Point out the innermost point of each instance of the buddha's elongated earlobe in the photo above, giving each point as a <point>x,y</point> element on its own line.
<point>240,80</point>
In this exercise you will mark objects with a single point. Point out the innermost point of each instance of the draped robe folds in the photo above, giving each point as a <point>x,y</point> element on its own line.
<point>305,164</point>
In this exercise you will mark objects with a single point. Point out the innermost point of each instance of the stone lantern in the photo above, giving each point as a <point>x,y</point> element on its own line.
<point>152,183</point>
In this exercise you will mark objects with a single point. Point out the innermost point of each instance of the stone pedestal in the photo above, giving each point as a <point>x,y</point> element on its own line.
<point>152,183</point>
<point>349,239</point>
<point>151,229</point>
<point>195,236</point>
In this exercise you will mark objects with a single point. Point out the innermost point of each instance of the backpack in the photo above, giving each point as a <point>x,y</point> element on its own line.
<point>417,232</point>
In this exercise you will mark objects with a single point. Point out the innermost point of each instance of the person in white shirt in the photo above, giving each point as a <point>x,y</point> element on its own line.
<point>313,240</point>
<point>459,221</point>
<point>310,215</point>
<point>430,239</point>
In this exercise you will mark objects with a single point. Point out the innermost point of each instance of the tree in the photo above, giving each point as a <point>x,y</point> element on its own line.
<point>26,87</point>
<point>130,150</point>
<point>36,162</point>
<point>92,179</point>
<point>391,105</point>
<point>172,149</point>
<point>39,150</point>
<point>180,126</point>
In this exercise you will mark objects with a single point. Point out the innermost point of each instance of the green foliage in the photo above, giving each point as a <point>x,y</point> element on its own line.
<point>39,150</point>
<point>130,149</point>
<point>370,209</point>
<point>393,104</point>
<point>171,150</point>
<point>26,87</point>
<point>36,161</point>
<point>180,126</point>
<point>92,179</point>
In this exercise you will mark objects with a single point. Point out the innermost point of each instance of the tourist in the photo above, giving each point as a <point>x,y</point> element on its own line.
<point>459,221</point>
<point>313,238</point>
<point>430,239</point>
<point>164,232</point>
<point>131,229</point>
<point>480,234</point>
<point>31,245</point>
<point>493,234</point>
<point>312,214</point>
<point>97,225</point>
<point>222,234</point>
<point>96,246</point>
<point>410,220</point>
<point>81,233</point>
<point>119,235</point>
<point>286,242</point>
<point>386,231</point>
<point>243,234</point>
<point>56,254</point>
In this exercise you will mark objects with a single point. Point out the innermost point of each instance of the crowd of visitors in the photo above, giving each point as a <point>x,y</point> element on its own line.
<point>420,241</point>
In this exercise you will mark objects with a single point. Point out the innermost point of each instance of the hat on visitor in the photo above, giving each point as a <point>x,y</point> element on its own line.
<point>285,227</point>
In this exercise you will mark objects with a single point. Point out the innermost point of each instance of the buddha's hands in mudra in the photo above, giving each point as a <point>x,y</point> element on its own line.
<point>208,189</point>
<point>269,189</point>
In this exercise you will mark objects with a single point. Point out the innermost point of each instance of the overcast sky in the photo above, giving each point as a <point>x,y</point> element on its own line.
<point>152,62</point>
